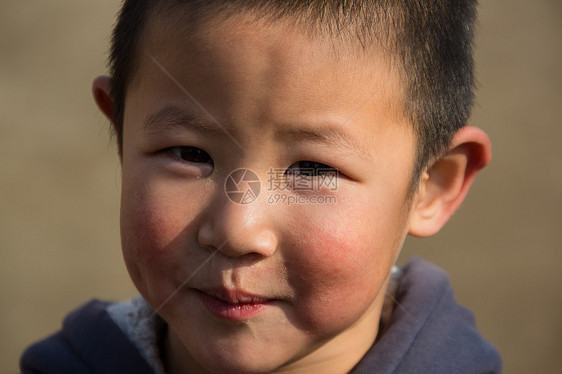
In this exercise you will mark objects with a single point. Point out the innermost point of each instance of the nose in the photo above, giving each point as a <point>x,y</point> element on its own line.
<point>239,229</point>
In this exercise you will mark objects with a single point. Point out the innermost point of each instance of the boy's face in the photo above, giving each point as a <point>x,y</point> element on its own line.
<point>267,284</point>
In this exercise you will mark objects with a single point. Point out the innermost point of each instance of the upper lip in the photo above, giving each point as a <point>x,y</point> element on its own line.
<point>234,296</point>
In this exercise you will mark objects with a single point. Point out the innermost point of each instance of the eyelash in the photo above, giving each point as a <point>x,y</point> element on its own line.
<point>311,169</point>
<point>303,168</point>
<point>200,156</point>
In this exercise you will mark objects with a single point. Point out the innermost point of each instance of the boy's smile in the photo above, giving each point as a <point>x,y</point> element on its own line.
<point>258,287</point>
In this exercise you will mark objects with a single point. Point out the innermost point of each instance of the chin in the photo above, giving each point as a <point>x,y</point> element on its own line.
<point>222,364</point>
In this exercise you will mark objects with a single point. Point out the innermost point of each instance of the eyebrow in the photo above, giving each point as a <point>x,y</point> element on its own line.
<point>172,117</point>
<point>332,135</point>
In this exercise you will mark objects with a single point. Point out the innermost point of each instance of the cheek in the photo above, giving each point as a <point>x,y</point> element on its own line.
<point>155,237</point>
<point>333,282</point>
<point>339,270</point>
<point>148,224</point>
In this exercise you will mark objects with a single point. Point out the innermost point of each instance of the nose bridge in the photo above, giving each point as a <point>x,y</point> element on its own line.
<point>237,229</point>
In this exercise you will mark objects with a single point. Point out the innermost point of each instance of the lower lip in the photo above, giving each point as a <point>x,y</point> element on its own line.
<point>232,312</point>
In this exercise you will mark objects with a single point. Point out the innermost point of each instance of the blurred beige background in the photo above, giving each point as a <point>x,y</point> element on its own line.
<point>59,179</point>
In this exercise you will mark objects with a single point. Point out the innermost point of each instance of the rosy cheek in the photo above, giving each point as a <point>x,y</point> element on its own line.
<point>329,275</point>
<point>151,234</point>
<point>146,225</point>
<point>339,269</point>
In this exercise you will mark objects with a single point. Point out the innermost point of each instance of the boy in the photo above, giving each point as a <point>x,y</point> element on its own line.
<point>364,103</point>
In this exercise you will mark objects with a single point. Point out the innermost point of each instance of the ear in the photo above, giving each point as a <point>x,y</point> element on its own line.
<point>445,184</point>
<point>101,89</point>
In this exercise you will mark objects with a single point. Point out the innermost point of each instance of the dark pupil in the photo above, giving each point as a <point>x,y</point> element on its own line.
<point>193,154</point>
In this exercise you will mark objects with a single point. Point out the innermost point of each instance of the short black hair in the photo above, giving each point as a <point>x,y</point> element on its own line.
<point>432,42</point>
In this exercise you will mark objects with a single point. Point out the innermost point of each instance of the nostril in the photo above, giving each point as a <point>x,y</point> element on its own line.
<point>209,248</point>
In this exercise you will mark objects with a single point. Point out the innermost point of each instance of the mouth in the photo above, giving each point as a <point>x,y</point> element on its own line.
<point>233,305</point>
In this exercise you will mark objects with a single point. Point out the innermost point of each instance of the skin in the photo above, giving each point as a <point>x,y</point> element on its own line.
<point>322,267</point>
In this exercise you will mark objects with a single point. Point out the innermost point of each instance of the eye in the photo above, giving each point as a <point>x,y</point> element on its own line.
<point>310,169</point>
<point>192,154</point>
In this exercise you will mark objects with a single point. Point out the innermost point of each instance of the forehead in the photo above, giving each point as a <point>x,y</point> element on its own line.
<point>236,33</point>
<point>288,72</point>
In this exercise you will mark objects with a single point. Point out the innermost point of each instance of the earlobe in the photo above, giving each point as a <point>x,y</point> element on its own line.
<point>446,183</point>
<point>101,90</point>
